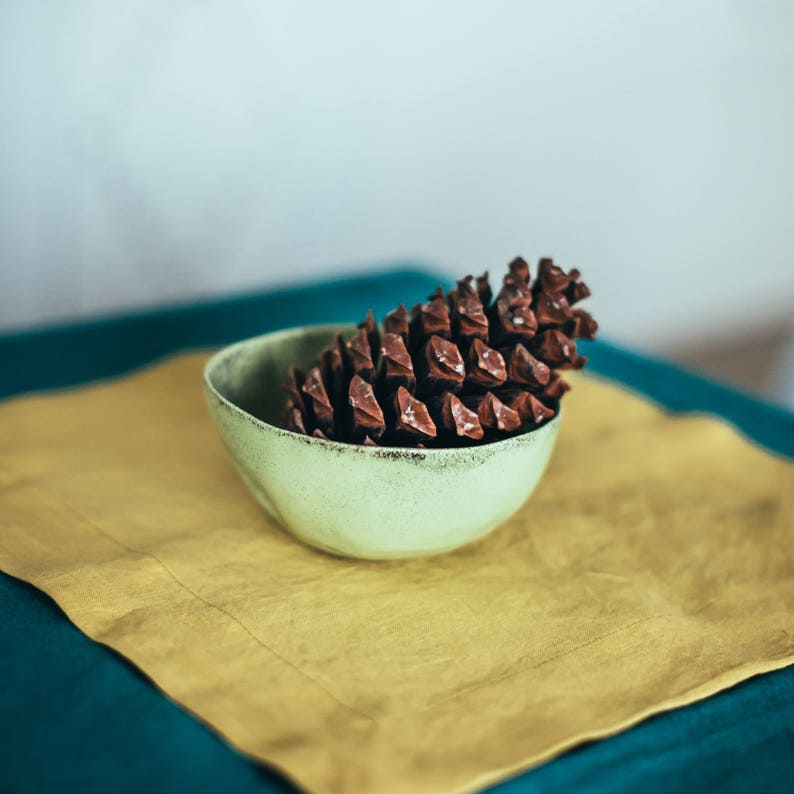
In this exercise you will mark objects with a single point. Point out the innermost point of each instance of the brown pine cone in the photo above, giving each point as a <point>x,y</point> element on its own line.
<point>463,368</point>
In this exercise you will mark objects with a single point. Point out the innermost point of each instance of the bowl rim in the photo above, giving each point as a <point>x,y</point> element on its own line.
<point>377,452</point>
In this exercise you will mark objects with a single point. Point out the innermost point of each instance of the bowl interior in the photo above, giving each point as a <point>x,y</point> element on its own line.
<point>249,374</point>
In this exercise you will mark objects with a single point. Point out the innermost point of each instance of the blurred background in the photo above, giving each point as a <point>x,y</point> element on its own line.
<point>158,151</point>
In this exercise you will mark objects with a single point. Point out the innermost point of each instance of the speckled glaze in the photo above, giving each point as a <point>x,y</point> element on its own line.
<point>367,502</point>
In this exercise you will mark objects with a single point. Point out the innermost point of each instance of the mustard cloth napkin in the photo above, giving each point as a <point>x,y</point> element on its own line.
<point>653,567</point>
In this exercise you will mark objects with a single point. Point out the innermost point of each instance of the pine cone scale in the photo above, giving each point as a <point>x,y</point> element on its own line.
<point>366,416</point>
<point>412,417</point>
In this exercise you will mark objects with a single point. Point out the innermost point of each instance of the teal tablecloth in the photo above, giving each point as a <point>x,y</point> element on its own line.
<point>76,717</point>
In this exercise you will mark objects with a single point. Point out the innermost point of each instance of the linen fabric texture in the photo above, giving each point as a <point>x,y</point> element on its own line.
<point>653,566</point>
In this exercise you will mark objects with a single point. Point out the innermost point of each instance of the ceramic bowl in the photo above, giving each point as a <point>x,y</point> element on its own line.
<point>356,501</point>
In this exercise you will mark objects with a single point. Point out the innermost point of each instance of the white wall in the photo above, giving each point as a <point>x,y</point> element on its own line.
<point>152,151</point>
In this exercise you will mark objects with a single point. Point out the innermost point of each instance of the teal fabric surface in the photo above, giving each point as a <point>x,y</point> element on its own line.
<point>76,717</point>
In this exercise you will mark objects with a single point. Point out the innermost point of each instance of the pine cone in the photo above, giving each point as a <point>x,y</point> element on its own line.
<point>459,369</point>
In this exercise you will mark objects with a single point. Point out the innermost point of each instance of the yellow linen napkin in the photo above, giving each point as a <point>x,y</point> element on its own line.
<point>654,566</point>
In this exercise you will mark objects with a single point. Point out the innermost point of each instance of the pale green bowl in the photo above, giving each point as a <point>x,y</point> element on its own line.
<point>369,502</point>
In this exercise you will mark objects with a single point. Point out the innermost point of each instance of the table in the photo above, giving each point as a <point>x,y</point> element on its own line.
<point>77,717</point>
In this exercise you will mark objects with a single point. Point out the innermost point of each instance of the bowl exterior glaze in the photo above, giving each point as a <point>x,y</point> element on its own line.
<point>365,502</point>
